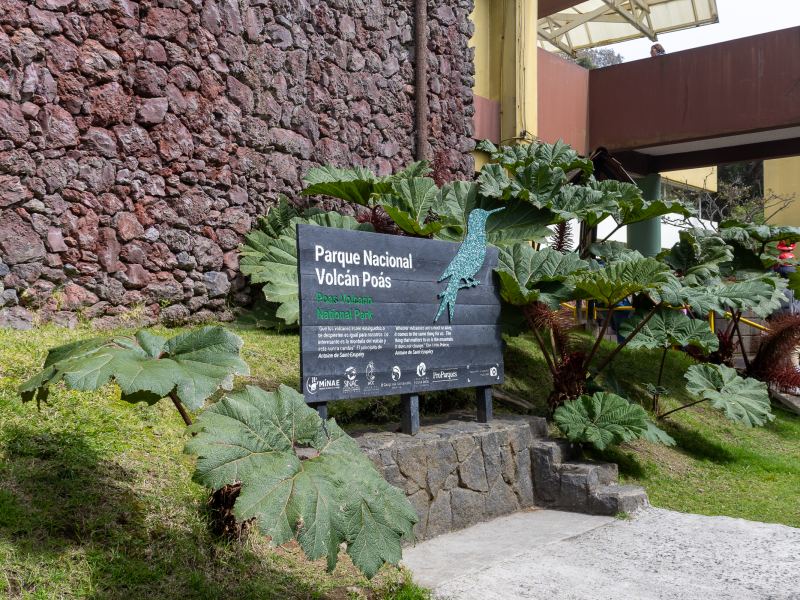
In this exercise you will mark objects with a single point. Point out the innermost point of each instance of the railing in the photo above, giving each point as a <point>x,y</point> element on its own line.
<point>585,309</point>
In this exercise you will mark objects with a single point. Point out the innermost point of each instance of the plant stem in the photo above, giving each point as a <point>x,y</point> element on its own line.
<point>553,344</point>
<point>599,337</point>
<point>736,318</point>
<point>180,408</point>
<point>540,340</point>
<point>624,343</point>
<point>544,351</point>
<point>610,234</point>
<point>660,372</point>
<point>681,408</point>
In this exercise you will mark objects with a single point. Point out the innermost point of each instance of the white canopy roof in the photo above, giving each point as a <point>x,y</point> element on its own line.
<point>600,22</point>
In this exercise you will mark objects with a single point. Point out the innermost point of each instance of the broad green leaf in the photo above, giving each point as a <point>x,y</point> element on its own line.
<point>641,210</point>
<point>602,420</point>
<point>760,295</point>
<point>494,182</point>
<point>519,221</point>
<point>554,155</point>
<point>759,235</point>
<point>697,256</point>
<point>742,400</point>
<point>666,328</point>
<point>613,283</point>
<point>356,185</point>
<point>410,203</point>
<point>538,183</point>
<point>612,253</point>
<point>742,263</point>
<point>416,169</point>
<point>276,220</point>
<point>146,367</point>
<point>332,497</point>
<point>655,435</point>
<point>523,271</point>
<point>273,262</point>
<point>584,204</point>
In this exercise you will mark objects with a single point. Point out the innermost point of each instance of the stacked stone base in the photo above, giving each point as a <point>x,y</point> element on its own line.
<point>457,472</point>
<point>566,482</point>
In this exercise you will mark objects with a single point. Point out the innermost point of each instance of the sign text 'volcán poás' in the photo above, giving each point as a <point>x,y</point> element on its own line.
<point>373,319</point>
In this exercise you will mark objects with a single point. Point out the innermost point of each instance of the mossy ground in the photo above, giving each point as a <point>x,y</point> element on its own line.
<point>96,499</point>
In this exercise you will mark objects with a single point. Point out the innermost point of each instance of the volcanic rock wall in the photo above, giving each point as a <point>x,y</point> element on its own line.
<point>138,142</point>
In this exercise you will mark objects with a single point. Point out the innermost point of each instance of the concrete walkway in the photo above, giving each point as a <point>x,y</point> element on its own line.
<point>658,555</point>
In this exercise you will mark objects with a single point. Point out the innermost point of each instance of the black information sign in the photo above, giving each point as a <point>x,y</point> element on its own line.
<point>372,322</point>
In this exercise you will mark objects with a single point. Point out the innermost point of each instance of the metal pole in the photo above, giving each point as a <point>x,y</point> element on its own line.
<point>321,408</point>
<point>421,76</point>
<point>483,398</point>
<point>409,413</point>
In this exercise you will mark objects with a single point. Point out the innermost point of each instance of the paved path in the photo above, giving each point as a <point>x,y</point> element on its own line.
<point>659,555</point>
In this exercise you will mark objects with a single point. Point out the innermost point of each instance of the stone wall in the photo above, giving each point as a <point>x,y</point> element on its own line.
<point>457,472</point>
<point>139,141</point>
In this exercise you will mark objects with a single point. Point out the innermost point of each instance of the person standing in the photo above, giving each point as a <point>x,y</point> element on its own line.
<point>657,50</point>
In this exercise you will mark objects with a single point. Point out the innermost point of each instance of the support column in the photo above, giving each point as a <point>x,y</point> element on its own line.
<point>483,398</point>
<point>409,413</point>
<point>645,236</point>
<point>321,408</point>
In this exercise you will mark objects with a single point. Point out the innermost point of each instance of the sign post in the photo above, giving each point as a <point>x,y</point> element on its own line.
<point>375,319</point>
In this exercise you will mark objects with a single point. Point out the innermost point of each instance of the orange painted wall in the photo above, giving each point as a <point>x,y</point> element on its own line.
<point>563,102</point>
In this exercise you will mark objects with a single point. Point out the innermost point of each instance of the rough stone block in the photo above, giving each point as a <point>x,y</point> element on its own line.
<point>614,499</point>
<point>472,473</point>
<point>574,489</point>
<point>468,507</point>
<point>442,462</point>
<point>501,500</point>
<point>440,517</point>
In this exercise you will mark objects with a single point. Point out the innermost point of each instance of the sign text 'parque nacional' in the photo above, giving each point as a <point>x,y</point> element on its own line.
<point>382,315</point>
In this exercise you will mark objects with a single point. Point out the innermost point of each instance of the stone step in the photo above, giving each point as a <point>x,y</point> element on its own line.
<point>562,480</point>
<point>614,499</point>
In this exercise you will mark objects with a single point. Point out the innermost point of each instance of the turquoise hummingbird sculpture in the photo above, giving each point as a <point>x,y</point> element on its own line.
<point>467,261</point>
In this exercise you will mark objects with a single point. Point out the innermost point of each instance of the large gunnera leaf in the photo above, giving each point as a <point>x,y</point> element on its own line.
<point>335,495</point>
<point>146,367</point>
<point>603,419</point>
<point>666,328</point>
<point>656,435</point>
<point>519,221</point>
<point>273,262</point>
<point>358,185</point>
<point>409,205</point>
<point>615,282</point>
<point>527,275</point>
<point>757,235</point>
<point>742,400</point>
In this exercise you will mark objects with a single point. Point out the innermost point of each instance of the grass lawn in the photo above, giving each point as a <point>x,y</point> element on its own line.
<point>717,467</point>
<point>96,500</point>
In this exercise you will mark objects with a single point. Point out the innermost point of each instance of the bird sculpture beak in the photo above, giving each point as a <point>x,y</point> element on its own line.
<point>496,210</point>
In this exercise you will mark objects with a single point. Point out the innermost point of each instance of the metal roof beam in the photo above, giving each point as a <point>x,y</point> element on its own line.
<point>631,16</point>
<point>567,21</point>
<point>553,37</point>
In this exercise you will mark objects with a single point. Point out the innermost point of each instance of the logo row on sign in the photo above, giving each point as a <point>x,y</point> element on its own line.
<point>315,384</point>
